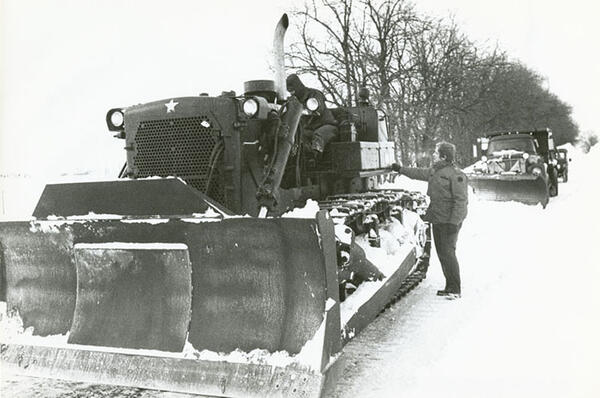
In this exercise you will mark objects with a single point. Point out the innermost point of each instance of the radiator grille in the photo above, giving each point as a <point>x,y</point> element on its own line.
<point>181,148</point>
<point>516,165</point>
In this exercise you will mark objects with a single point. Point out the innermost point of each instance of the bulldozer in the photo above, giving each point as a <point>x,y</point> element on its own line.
<point>222,238</point>
<point>515,166</point>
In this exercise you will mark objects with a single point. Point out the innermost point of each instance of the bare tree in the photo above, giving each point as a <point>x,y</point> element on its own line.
<point>329,37</point>
<point>430,79</point>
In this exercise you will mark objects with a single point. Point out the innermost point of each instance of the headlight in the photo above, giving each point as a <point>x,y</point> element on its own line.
<point>115,119</point>
<point>536,171</point>
<point>525,155</point>
<point>484,158</point>
<point>250,107</point>
<point>553,161</point>
<point>312,104</point>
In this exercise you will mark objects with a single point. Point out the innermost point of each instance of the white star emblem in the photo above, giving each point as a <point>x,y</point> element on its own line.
<point>171,106</point>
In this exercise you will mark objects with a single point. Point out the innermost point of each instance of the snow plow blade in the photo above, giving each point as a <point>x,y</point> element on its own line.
<point>238,283</point>
<point>222,284</point>
<point>530,190</point>
<point>173,302</point>
<point>113,289</point>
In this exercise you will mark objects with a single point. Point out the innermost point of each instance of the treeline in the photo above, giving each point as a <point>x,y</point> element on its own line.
<point>430,79</point>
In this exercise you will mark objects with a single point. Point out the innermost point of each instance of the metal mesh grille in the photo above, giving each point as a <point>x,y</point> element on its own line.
<point>182,148</point>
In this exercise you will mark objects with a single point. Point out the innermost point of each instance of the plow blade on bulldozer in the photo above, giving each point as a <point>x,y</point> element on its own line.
<point>141,301</point>
<point>530,190</point>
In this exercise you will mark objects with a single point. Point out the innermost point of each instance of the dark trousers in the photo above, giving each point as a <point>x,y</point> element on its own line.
<point>444,237</point>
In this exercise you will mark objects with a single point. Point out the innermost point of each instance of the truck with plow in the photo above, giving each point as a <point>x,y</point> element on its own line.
<point>562,168</point>
<point>225,261</point>
<point>516,166</point>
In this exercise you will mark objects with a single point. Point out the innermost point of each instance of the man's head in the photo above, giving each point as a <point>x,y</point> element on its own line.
<point>444,151</point>
<point>295,85</point>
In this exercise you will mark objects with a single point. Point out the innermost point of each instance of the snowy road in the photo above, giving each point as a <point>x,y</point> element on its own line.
<point>527,325</point>
<point>528,322</point>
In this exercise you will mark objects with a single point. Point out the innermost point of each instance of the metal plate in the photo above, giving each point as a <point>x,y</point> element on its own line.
<point>132,296</point>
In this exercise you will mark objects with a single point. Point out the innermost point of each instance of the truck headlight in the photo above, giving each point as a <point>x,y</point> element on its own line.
<point>484,158</point>
<point>312,104</point>
<point>250,107</point>
<point>525,155</point>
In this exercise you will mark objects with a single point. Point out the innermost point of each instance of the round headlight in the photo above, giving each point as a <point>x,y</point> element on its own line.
<point>250,107</point>
<point>484,158</point>
<point>116,118</point>
<point>525,155</point>
<point>312,104</point>
<point>536,171</point>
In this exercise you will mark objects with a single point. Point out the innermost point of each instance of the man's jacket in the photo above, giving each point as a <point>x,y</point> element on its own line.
<point>447,189</point>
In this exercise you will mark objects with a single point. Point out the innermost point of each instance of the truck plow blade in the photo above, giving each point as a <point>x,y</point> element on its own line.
<point>525,189</point>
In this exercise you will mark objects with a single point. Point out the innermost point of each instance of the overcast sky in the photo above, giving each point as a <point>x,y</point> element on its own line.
<point>64,63</point>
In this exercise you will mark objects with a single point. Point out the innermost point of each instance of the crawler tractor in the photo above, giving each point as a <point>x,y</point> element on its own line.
<point>197,249</point>
<point>517,166</point>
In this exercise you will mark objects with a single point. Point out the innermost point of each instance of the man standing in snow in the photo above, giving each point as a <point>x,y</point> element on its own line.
<point>447,190</point>
<point>322,126</point>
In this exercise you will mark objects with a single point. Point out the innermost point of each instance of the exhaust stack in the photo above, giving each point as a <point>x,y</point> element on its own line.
<point>278,56</point>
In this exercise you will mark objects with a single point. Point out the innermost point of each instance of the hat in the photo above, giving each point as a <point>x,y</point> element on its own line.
<point>446,150</point>
<point>294,83</point>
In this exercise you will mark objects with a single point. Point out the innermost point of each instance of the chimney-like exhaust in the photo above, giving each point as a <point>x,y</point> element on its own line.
<point>278,56</point>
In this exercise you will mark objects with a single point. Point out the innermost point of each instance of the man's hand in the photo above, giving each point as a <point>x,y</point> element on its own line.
<point>397,168</point>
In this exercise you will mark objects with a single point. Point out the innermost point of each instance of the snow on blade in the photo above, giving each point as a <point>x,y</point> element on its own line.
<point>132,246</point>
<point>210,215</point>
<point>309,210</point>
<point>90,216</point>
<point>152,221</point>
<point>12,332</point>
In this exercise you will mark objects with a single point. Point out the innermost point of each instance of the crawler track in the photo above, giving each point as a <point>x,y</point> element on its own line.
<point>358,207</point>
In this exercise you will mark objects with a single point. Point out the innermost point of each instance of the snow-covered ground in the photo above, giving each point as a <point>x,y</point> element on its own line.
<point>529,319</point>
<point>527,323</point>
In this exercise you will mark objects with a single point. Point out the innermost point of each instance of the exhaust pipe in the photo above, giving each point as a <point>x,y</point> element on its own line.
<point>278,56</point>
